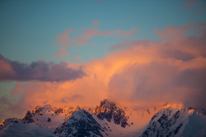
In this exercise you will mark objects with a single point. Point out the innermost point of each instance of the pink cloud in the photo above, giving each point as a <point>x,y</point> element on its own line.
<point>96,22</point>
<point>121,33</point>
<point>63,42</point>
<point>95,32</point>
<point>63,38</point>
<point>77,57</point>
<point>19,88</point>
<point>189,4</point>
<point>61,54</point>
<point>172,31</point>
<point>131,15</point>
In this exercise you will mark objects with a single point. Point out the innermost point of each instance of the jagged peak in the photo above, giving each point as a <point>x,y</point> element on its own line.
<point>28,115</point>
<point>106,102</point>
<point>77,108</point>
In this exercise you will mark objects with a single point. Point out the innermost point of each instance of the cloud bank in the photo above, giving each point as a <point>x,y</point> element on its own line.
<point>40,71</point>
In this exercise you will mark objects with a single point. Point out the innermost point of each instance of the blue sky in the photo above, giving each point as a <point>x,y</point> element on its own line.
<point>29,28</point>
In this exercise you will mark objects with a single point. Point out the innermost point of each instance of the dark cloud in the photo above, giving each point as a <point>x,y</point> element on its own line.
<point>40,71</point>
<point>75,97</point>
<point>177,54</point>
<point>195,81</point>
<point>160,82</point>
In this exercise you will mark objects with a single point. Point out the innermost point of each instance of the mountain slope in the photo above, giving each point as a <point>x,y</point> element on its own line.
<point>25,130</point>
<point>80,123</point>
<point>175,121</point>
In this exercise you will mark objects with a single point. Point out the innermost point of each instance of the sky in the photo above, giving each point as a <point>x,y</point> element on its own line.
<point>78,52</point>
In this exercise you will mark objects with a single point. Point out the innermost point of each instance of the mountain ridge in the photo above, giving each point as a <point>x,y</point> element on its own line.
<point>110,119</point>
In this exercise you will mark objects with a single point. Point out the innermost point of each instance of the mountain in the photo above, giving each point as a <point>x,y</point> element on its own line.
<point>109,119</point>
<point>175,121</point>
<point>80,123</point>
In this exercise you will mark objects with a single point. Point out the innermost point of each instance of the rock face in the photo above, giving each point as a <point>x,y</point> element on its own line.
<point>81,123</point>
<point>109,110</point>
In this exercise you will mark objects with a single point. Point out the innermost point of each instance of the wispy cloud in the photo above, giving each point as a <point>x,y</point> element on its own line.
<point>82,40</point>
<point>189,4</point>
<point>96,22</point>
<point>131,15</point>
<point>63,42</point>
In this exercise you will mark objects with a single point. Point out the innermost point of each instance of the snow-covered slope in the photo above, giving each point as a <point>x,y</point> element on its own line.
<point>25,130</point>
<point>45,116</point>
<point>111,120</point>
<point>175,121</point>
<point>81,123</point>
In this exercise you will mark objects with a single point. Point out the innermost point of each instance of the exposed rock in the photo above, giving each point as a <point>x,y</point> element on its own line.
<point>28,117</point>
<point>108,110</point>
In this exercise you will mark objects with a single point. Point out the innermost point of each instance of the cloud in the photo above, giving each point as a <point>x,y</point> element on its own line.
<point>141,74</point>
<point>131,15</point>
<point>96,22</point>
<point>62,38</point>
<point>95,32</point>
<point>11,105</point>
<point>77,57</point>
<point>167,70</point>
<point>63,42</point>
<point>40,71</point>
<point>189,4</point>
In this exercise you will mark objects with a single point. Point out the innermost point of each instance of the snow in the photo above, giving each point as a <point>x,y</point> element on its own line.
<point>196,126</point>
<point>25,130</point>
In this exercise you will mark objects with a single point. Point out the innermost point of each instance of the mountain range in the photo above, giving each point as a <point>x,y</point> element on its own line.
<point>108,119</point>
